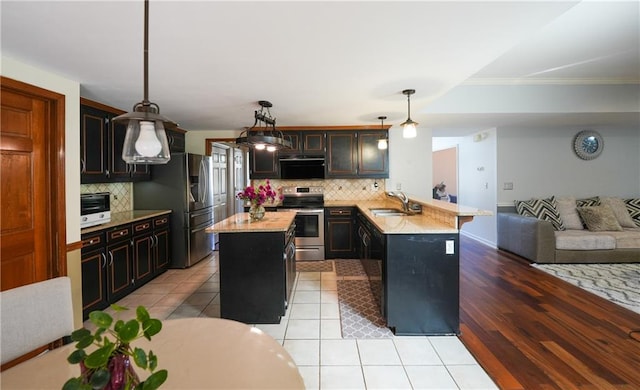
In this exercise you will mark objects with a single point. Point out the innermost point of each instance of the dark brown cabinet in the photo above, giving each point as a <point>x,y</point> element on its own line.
<point>101,144</point>
<point>176,139</point>
<point>355,154</point>
<point>340,233</point>
<point>117,260</point>
<point>263,164</point>
<point>308,143</point>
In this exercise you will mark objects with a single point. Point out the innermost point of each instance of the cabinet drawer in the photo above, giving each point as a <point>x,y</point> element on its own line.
<point>119,233</point>
<point>142,226</point>
<point>340,212</point>
<point>160,222</point>
<point>92,241</point>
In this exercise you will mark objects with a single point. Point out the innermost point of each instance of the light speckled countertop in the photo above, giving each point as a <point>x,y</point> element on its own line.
<point>124,217</point>
<point>241,223</point>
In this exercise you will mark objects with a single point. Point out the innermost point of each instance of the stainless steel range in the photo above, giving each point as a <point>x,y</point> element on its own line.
<point>308,203</point>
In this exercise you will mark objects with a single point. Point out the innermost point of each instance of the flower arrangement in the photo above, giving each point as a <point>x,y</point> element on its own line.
<point>258,195</point>
<point>108,366</point>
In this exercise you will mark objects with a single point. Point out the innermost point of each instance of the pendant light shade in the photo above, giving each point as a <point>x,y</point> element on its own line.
<point>382,142</point>
<point>409,126</point>
<point>146,141</point>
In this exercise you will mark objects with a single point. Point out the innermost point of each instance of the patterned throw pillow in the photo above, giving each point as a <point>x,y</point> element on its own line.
<point>619,210</point>
<point>599,218</point>
<point>633,207</point>
<point>588,202</point>
<point>544,209</point>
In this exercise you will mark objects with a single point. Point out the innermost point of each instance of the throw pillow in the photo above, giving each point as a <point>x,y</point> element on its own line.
<point>633,207</point>
<point>567,209</point>
<point>544,209</point>
<point>619,210</point>
<point>587,202</point>
<point>599,218</point>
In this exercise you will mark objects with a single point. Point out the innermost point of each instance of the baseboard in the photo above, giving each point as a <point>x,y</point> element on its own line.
<point>479,239</point>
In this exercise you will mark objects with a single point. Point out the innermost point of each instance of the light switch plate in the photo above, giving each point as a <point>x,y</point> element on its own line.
<point>449,248</point>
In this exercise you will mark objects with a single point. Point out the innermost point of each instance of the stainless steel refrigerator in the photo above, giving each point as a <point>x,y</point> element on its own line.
<point>184,185</point>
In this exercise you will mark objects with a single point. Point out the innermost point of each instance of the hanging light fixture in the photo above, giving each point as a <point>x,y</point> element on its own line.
<point>263,134</point>
<point>146,141</point>
<point>409,126</point>
<point>382,142</point>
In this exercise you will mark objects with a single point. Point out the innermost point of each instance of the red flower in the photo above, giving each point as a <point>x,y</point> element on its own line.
<point>259,195</point>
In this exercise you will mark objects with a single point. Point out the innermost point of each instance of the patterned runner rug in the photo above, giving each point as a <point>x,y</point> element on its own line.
<point>314,266</point>
<point>360,316</point>
<point>619,283</point>
<point>348,267</point>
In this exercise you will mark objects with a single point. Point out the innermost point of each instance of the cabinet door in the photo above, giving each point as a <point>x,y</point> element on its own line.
<point>264,164</point>
<point>176,141</point>
<point>372,162</point>
<point>162,251</point>
<point>94,288</point>
<point>93,145</point>
<point>143,259</point>
<point>296,145</point>
<point>120,279</point>
<point>340,233</point>
<point>118,169</point>
<point>313,143</point>
<point>342,154</point>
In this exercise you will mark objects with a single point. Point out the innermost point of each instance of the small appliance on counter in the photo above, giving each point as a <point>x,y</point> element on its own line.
<point>95,209</point>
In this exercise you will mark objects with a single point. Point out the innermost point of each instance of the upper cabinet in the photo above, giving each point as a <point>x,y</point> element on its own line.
<point>355,154</point>
<point>349,152</point>
<point>101,143</point>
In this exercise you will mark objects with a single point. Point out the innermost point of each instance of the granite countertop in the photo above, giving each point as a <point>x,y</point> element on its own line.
<point>124,217</point>
<point>241,223</point>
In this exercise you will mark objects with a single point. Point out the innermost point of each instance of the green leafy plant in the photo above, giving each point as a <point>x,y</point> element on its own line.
<point>107,365</point>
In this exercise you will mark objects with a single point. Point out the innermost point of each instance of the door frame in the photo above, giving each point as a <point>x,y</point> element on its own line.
<point>55,145</point>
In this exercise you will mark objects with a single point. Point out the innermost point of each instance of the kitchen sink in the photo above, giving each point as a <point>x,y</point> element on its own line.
<point>387,212</point>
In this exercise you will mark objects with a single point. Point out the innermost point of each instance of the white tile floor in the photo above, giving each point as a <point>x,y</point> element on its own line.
<point>310,332</point>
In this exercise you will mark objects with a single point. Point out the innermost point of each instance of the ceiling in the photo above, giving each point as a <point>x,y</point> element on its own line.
<point>332,62</point>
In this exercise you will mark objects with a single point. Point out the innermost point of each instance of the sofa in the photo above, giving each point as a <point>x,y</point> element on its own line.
<point>570,230</point>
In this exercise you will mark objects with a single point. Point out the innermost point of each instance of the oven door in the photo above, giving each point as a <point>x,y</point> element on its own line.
<point>309,233</point>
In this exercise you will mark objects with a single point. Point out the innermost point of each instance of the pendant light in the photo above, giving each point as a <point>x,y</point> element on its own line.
<point>382,142</point>
<point>146,141</point>
<point>263,134</point>
<point>409,126</point>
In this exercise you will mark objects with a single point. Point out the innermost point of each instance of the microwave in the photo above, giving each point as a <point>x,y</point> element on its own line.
<point>302,168</point>
<point>95,209</point>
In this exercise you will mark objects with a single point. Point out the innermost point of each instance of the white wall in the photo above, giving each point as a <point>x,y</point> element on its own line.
<point>195,140</point>
<point>477,183</point>
<point>71,90</point>
<point>541,163</point>
<point>410,165</point>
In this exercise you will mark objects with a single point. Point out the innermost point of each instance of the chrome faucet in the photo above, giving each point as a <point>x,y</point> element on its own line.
<point>402,198</point>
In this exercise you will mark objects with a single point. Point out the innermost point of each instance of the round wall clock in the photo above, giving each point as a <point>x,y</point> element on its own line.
<point>588,144</point>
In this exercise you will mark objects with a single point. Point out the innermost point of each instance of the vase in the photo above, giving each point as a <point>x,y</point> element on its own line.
<point>256,212</point>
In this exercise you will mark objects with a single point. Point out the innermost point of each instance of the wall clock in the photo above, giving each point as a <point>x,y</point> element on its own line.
<point>588,144</point>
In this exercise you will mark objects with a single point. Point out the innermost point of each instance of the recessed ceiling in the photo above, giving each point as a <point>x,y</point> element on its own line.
<point>324,63</point>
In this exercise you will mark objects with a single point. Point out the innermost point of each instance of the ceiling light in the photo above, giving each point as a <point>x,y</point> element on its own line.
<point>409,126</point>
<point>146,141</point>
<point>382,142</point>
<point>265,135</point>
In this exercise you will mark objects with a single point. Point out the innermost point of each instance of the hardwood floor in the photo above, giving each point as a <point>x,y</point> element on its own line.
<point>530,330</point>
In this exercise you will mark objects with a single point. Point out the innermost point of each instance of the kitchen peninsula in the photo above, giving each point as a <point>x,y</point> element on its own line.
<point>257,266</point>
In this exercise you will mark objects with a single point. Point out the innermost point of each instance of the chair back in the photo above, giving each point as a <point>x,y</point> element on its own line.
<point>33,316</point>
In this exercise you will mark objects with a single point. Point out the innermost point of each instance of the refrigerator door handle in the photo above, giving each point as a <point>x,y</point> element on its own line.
<point>202,182</point>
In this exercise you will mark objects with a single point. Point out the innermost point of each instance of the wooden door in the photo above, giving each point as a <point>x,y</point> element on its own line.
<point>32,223</point>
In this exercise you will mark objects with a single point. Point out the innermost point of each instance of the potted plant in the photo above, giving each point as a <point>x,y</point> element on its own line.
<point>257,196</point>
<point>108,365</point>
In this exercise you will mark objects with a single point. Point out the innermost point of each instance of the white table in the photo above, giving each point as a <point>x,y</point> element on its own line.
<point>199,353</point>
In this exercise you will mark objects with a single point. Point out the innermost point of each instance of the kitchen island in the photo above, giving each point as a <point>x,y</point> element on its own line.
<point>413,262</point>
<point>257,266</point>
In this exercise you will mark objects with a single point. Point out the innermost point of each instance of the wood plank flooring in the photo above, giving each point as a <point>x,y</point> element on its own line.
<point>530,330</point>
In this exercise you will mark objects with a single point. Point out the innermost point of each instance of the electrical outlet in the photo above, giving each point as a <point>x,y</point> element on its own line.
<point>398,186</point>
<point>507,186</point>
<point>449,247</point>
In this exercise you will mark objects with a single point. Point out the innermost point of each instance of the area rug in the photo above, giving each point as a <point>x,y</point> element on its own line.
<point>314,266</point>
<point>619,283</point>
<point>349,267</point>
<point>360,316</point>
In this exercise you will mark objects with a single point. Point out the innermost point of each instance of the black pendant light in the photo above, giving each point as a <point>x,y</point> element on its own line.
<point>146,141</point>
<point>382,142</point>
<point>409,126</point>
<point>263,134</point>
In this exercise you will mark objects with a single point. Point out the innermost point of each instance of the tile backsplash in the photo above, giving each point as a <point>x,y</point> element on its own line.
<point>339,189</point>
<point>121,194</point>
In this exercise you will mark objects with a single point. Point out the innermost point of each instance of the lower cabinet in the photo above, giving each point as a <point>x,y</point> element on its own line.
<point>339,238</point>
<point>117,260</point>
